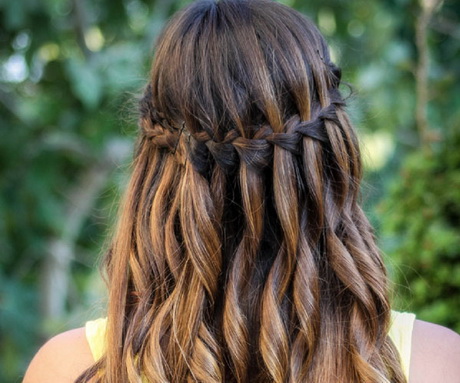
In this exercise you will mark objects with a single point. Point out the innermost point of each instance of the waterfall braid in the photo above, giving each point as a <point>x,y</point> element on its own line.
<point>242,254</point>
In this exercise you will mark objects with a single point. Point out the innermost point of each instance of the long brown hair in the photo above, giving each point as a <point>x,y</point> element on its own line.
<point>242,253</point>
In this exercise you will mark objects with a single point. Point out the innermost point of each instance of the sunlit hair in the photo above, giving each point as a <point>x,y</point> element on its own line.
<point>242,254</point>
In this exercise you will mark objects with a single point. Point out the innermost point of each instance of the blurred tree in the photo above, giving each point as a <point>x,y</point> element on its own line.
<point>422,227</point>
<point>421,214</point>
<point>69,70</point>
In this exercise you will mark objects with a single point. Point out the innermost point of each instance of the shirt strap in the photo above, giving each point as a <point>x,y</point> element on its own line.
<point>95,334</point>
<point>400,333</point>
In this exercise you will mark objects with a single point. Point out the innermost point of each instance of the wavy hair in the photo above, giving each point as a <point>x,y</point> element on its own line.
<point>242,253</point>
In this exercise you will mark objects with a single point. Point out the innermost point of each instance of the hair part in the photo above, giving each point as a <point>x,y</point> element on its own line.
<point>242,254</point>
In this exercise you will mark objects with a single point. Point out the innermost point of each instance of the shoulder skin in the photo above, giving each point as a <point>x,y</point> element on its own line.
<point>435,354</point>
<point>61,360</point>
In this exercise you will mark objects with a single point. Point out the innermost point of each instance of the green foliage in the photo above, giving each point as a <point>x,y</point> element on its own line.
<point>18,325</point>
<point>421,215</point>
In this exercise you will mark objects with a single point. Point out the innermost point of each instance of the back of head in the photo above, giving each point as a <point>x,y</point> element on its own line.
<point>242,254</point>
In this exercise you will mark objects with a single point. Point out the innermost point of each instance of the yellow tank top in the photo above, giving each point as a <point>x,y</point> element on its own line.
<point>400,333</point>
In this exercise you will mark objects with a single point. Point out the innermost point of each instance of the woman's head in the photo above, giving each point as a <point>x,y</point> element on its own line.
<point>225,71</point>
<point>242,254</point>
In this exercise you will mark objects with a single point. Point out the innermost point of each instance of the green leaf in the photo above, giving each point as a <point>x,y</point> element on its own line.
<point>85,82</point>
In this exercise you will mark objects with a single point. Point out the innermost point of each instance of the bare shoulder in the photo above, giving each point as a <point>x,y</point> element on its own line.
<point>62,359</point>
<point>435,354</point>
